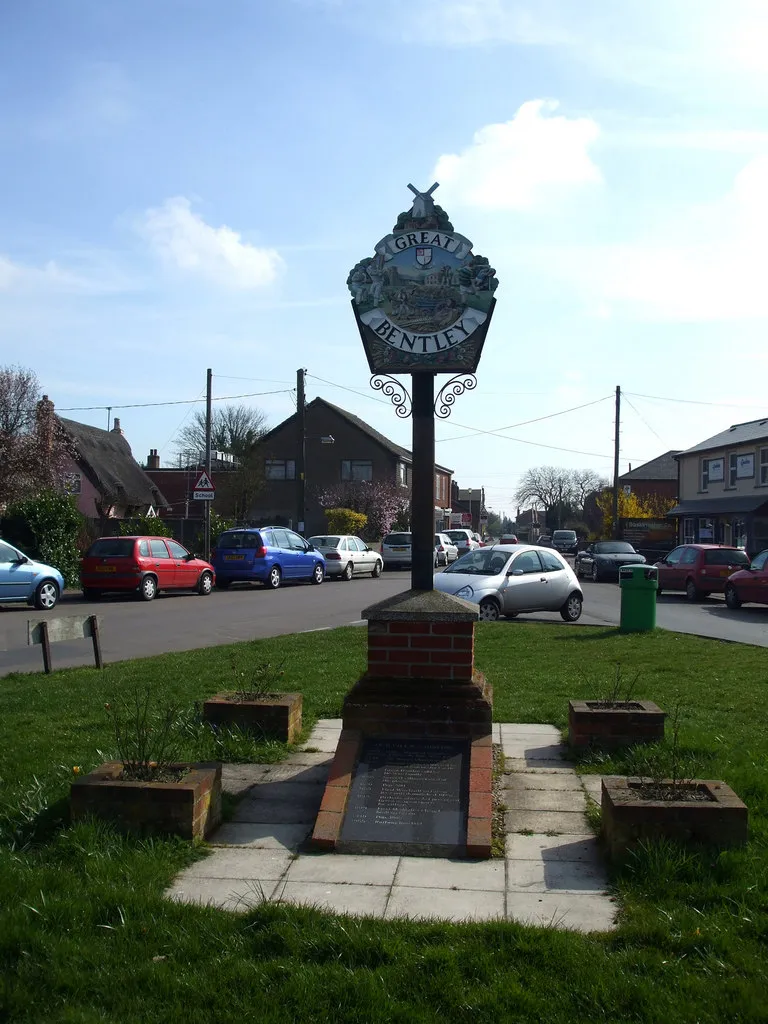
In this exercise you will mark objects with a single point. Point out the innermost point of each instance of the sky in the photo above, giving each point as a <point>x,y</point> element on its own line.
<point>186,184</point>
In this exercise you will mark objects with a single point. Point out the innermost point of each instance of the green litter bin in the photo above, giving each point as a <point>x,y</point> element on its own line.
<point>639,584</point>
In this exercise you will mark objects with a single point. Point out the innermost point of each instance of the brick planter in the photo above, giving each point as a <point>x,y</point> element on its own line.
<point>591,724</point>
<point>277,717</point>
<point>189,808</point>
<point>719,819</point>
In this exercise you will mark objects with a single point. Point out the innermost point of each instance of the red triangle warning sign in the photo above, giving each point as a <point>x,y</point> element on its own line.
<point>204,482</point>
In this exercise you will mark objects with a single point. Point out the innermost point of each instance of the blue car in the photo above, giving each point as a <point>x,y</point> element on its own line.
<point>268,555</point>
<point>24,579</point>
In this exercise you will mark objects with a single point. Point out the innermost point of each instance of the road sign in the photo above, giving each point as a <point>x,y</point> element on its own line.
<point>204,489</point>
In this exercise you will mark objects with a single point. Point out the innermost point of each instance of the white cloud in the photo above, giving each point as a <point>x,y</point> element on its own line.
<point>183,240</point>
<point>512,165</point>
<point>97,277</point>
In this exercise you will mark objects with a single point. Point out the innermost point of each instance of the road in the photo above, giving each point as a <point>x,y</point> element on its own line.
<point>178,622</point>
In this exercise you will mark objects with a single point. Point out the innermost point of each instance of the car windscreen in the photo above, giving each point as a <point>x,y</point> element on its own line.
<point>248,539</point>
<point>325,542</point>
<point>725,556</point>
<point>564,535</point>
<point>112,547</point>
<point>397,539</point>
<point>457,535</point>
<point>614,547</point>
<point>480,562</point>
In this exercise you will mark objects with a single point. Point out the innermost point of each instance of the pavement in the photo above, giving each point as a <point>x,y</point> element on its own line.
<point>553,873</point>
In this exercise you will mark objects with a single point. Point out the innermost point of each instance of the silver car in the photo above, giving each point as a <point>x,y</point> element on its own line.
<point>396,550</point>
<point>445,550</point>
<point>347,556</point>
<point>506,580</point>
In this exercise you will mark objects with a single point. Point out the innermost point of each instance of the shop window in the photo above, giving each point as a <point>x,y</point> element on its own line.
<point>764,466</point>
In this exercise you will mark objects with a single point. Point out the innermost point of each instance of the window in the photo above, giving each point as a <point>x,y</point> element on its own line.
<point>402,474</point>
<point>158,549</point>
<point>282,539</point>
<point>355,544</point>
<point>280,469</point>
<point>144,548</point>
<point>7,553</point>
<point>674,556</point>
<point>725,556</point>
<point>706,531</point>
<point>745,466</point>
<point>528,562</point>
<point>551,562</point>
<point>688,557</point>
<point>704,475</point>
<point>177,551</point>
<point>732,469</point>
<point>758,562</point>
<point>688,537</point>
<point>356,469</point>
<point>764,465</point>
<point>112,547</point>
<point>72,483</point>
<point>295,542</point>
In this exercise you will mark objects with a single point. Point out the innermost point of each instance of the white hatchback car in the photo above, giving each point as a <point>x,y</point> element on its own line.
<point>445,550</point>
<point>347,556</point>
<point>463,539</point>
<point>396,550</point>
<point>508,579</point>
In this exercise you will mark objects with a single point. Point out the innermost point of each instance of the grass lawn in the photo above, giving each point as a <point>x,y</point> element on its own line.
<point>85,935</point>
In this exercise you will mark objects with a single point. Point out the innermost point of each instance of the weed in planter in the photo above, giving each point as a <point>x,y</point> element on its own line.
<point>620,693</point>
<point>667,774</point>
<point>261,683</point>
<point>203,741</point>
<point>147,738</point>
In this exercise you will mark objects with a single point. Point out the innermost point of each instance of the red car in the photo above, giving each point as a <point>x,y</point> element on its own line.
<point>144,565</point>
<point>750,584</point>
<point>699,569</point>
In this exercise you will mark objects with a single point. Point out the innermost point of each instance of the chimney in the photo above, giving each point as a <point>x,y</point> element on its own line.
<point>116,429</point>
<point>153,462</point>
<point>45,423</point>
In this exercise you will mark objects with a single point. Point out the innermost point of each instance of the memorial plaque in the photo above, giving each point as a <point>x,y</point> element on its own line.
<point>409,793</point>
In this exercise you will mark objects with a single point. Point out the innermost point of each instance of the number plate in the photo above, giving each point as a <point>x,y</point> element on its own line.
<point>234,558</point>
<point>106,568</point>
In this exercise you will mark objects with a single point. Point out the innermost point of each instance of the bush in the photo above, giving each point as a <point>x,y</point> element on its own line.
<point>47,528</point>
<point>344,520</point>
<point>148,526</point>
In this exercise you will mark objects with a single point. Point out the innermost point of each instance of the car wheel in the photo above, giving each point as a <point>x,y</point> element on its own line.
<point>46,595</point>
<point>732,599</point>
<point>489,610</point>
<point>205,584</point>
<point>595,574</point>
<point>659,591</point>
<point>376,572</point>
<point>275,578</point>
<point>692,592</point>
<point>148,588</point>
<point>318,573</point>
<point>571,610</point>
<point>222,584</point>
<point>347,572</point>
<point>91,595</point>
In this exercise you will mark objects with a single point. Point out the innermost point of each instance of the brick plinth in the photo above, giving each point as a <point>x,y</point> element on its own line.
<point>277,717</point>
<point>717,818</point>
<point>420,682</point>
<point>593,724</point>
<point>188,808</point>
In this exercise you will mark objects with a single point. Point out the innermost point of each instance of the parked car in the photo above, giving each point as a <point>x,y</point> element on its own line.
<point>24,579</point>
<point>749,584</point>
<point>699,569</point>
<point>396,550</point>
<point>509,538</point>
<point>445,550</point>
<point>268,555</point>
<point>506,580</point>
<point>603,559</point>
<point>544,540</point>
<point>463,539</point>
<point>142,564</point>
<point>565,541</point>
<point>347,556</point>
<point>479,539</point>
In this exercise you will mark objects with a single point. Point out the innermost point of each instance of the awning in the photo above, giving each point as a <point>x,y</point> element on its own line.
<point>719,506</point>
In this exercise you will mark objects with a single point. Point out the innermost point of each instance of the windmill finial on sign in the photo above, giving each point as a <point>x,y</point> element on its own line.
<point>423,204</point>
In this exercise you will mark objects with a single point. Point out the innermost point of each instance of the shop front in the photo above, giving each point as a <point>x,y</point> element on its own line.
<point>740,522</point>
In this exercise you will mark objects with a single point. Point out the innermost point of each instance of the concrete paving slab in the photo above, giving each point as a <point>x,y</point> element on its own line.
<point>522,764</point>
<point>439,873</point>
<point>547,822</point>
<point>554,848</point>
<point>287,791</point>
<point>517,797</point>
<point>555,876</point>
<point>250,864</point>
<point>563,910</point>
<point>325,742</point>
<point>234,894</point>
<point>237,779</point>
<point>496,732</point>
<point>343,869</point>
<point>272,812</point>
<point>329,723</point>
<point>257,835</point>
<point>509,729</point>
<point>531,750</point>
<point>445,904</point>
<point>289,772</point>
<point>360,900</point>
<point>307,757</point>
<point>592,786</point>
<point>547,781</point>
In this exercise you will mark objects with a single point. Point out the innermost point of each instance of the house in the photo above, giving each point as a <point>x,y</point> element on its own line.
<point>177,483</point>
<point>339,447</point>
<point>723,488</point>
<point>105,477</point>
<point>654,479</point>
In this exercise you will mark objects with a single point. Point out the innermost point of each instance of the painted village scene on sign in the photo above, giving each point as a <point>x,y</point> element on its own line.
<point>424,300</point>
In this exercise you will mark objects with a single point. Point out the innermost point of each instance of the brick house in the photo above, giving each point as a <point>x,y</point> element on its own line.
<point>358,452</point>
<point>723,488</point>
<point>654,479</point>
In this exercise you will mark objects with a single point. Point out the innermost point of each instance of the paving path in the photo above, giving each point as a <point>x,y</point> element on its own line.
<point>553,872</point>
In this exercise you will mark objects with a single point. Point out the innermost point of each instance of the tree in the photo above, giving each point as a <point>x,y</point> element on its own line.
<point>631,506</point>
<point>562,493</point>
<point>237,488</point>
<point>19,394</point>
<point>235,429</point>
<point>384,504</point>
<point>585,482</point>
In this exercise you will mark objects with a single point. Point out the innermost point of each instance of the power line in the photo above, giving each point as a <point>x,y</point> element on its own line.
<point>642,419</point>
<point>691,401</point>
<point>262,380</point>
<point>523,423</point>
<point>181,401</point>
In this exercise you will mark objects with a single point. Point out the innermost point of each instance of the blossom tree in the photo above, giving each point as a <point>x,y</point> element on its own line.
<point>384,504</point>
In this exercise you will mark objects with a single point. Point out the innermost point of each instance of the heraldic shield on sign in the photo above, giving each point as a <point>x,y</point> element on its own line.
<point>424,301</point>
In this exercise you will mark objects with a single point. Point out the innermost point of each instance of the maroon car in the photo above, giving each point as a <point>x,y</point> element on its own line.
<point>144,565</point>
<point>699,569</point>
<point>750,584</point>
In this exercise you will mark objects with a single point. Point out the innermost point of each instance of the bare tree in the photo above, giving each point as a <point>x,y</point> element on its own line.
<point>19,394</point>
<point>585,482</point>
<point>547,487</point>
<point>234,428</point>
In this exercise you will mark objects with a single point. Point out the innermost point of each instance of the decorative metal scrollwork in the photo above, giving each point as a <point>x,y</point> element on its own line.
<point>395,391</point>
<point>448,393</point>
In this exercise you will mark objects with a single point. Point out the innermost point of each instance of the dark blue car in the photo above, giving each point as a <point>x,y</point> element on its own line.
<point>269,555</point>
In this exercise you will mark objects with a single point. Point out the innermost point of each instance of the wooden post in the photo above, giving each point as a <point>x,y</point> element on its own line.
<point>46,645</point>
<point>94,622</point>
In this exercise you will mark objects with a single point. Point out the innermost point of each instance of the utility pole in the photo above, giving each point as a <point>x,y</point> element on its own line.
<point>208,401</point>
<point>300,451</point>
<point>615,516</point>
